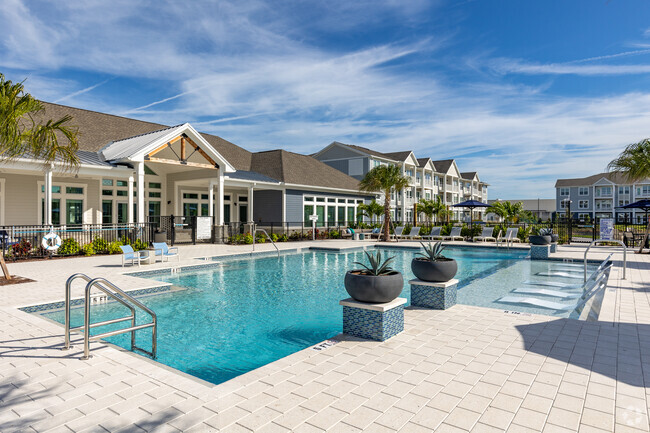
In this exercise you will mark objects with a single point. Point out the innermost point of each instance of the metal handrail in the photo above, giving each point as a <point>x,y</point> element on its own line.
<point>255,230</point>
<point>68,288</point>
<point>113,292</point>
<point>606,240</point>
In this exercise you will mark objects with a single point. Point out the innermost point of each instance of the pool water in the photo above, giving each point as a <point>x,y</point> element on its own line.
<point>248,312</point>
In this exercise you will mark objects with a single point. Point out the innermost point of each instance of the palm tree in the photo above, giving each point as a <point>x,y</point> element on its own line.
<point>384,178</point>
<point>371,210</point>
<point>506,210</point>
<point>24,132</point>
<point>432,207</point>
<point>634,162</point>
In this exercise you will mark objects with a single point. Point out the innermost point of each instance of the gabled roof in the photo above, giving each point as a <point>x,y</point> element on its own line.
<point>423,161</point>
<point>616,178</point>
<point>96,130</point>
<point>365,150</point>
<point>295,168</point>
<point>469,175</point>
<point>124,148</point>
<point>443,165</point>
<point>398,156</point>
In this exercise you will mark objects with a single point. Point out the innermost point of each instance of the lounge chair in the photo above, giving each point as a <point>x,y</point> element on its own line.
<point>398,232</point>
<point>455,234</point>
<point>161,249</point>
<point>414,233</point>
<point>576,275</point>
<point>435,234</point>
<point>510,236</point>
<point>547,292</point>
<point>134,256</point>
<point>486,235</point>
<point>552,284</point>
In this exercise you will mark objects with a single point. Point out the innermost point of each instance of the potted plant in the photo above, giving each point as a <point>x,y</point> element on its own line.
<point>376,283</point>
<point>432,266</point>
<point>542,238</point>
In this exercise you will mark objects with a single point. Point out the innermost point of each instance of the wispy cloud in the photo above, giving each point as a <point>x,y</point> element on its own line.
<point>510,66</point>
<point>82,91</point>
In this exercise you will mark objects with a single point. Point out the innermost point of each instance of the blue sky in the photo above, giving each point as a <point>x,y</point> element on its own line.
<point>523,92</point>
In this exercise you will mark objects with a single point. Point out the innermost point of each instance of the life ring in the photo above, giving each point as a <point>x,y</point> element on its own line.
<point>51,242</point>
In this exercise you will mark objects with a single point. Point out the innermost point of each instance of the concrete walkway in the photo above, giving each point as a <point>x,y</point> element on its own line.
<point>463,369</point>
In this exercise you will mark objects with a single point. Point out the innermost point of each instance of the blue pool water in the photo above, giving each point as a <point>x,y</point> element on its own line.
<point>247,312</point>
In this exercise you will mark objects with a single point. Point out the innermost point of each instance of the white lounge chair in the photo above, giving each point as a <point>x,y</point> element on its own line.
<point>547,292</point>
<point>455,234</point>
<point>486,235</point>
<point>161,249</point>
<point>553,284</point>
<point>134,256</point>
<point>509,237</point>
<point>398,232</point>
<point>414,233</point>
<point>577,276</point>
<point>435,234</point>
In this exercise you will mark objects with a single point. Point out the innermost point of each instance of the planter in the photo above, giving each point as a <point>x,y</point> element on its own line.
<point>373,289</point>
<point>436,272</point>
<point>539,240</point>
<point>554,238</point>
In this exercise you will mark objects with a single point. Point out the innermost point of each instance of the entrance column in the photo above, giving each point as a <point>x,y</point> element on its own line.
<point>211,199</point>
<point>141,187</point>
<point>129,211</point>
<point>48,197</point>
<point>250,203</point>
<point>220,190</point>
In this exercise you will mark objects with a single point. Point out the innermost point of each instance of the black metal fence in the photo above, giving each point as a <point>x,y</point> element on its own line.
<point>25,241</point>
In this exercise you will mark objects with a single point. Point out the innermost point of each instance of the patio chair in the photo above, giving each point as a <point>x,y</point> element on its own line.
<point>510,236</point>
<point>435,234</point>
<point>134,256</point>
<point>486,235</point>
<point>414,233</point>
<point>398,232</point>
<point>455,234</point>
<point>161,249</point>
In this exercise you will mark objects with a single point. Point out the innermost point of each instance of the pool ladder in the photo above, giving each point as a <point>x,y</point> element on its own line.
<point>117,294</point>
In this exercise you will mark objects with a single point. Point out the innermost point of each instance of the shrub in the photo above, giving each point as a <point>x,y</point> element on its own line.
<point>274,237</point>
<point>260,238</point>
<point>88,250</point>
<point>335,234</point>
<point>21,249</point>
<point>248,238</point>
<point>100,245</point>
<point>283,238</point>
<point>140,245</point>
<point>114,247</point>
<point>69,247</point>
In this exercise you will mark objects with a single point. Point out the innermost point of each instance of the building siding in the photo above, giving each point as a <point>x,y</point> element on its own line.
<point>21,195</point>
<point>267,206</point>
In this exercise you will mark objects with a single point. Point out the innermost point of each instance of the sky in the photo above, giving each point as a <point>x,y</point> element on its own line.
<point>523,92</point>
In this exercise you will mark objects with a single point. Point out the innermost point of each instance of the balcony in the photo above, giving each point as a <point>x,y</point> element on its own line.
<point>603,193</point>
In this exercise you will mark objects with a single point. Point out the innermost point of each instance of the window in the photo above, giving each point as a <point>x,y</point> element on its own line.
<point>350,214</point>
<point>320,199</point>
<point>308,211</point>
<point>583,190</point>
<point>190,196</point>
<point>107,192</point>
<point>154,194</point>
<point>204,197</point>
<point>643,190</point>
<point>155,185</point>
<point>624,190</point>
<point>603,191</point>
<point>563,204</point>
<point>74,190</point>
<point>623,202</point>
<point>107,182</point>
<point>564,191</point>
<point>309,198</point>
<point>409,172</point>
<point>107,211</point>
<point>122,183</point>
<point>583,204</point>
<point>74,211</point>
<point>341,215</point>
<point>121,193</point>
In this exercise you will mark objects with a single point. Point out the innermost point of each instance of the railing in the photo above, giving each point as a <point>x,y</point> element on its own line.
<point>267,236</point>
<point>608,257</point>
<point>118,295</point>
<point>23,241</point>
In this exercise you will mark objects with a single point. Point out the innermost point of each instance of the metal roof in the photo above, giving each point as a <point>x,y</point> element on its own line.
<point>119,149</point>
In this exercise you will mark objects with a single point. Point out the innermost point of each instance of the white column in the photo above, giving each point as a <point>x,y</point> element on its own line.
<point>211,199</point>
<point>220,190</point>
<point>130,205</point>
<point>250,203</point>
<point>48,197</point>
<point>141,188</point>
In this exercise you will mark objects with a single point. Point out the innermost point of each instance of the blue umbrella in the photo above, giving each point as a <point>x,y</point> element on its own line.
<point>471,204</point>
<point>644,205</point>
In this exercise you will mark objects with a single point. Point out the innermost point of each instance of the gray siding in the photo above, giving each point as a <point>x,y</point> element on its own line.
<point>338,152</point>
<point>267,206</point>
<point>294,205</point>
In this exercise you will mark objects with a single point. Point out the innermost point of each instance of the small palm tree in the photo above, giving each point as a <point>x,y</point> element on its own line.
<point>427,207</point>
<point>634,162</point>
<point>384,178</point>
<point>25,133</point>
<point>508,211</point>
<point>371,210</point>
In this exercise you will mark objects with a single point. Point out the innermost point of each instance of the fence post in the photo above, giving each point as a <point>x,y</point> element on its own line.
<point>173,228</point>
<point>193,220</point>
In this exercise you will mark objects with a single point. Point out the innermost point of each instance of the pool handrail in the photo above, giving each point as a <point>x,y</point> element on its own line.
<point>606,240</point>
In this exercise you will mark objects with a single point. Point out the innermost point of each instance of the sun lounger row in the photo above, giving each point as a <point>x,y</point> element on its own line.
<point>486,235</point>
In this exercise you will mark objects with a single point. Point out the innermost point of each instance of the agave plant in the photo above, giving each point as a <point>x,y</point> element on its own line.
<point>432,252</point>
<point>376,266</point>
<point>545,232</point>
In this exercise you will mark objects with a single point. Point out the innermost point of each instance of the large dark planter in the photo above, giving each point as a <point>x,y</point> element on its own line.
<point>439,271</point>
<point>374,289</point>
<point>539,240</point>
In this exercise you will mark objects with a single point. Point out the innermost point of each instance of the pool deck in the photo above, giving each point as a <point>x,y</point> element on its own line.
<point>463,369</point>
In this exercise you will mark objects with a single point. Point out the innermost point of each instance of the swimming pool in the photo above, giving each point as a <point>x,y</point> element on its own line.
<point>247,312</point>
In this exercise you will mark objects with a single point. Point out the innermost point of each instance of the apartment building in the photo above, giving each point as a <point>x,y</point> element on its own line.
<point>429,178</point>
<point>598,196</point>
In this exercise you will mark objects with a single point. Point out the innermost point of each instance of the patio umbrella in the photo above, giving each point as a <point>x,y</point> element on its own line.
<point>644,205</point>
<point>471,204</point>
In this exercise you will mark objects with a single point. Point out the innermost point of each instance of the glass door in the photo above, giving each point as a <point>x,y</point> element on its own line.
<point>122,213</point>
<point>243,213</point>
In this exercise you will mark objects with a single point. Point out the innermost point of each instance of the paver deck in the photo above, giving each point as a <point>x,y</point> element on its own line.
<point>463,369</point>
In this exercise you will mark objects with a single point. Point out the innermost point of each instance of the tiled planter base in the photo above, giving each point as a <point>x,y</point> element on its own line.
<point>438,296</point>
<point>373,321</point>
<point>540,252</point>
<point>553,248</point>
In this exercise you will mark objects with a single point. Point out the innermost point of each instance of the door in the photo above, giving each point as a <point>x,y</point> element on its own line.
<point>243,213</point>
<point>122,213</point>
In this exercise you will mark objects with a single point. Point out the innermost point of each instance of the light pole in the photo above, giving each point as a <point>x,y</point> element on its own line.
<point>567,205</point>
